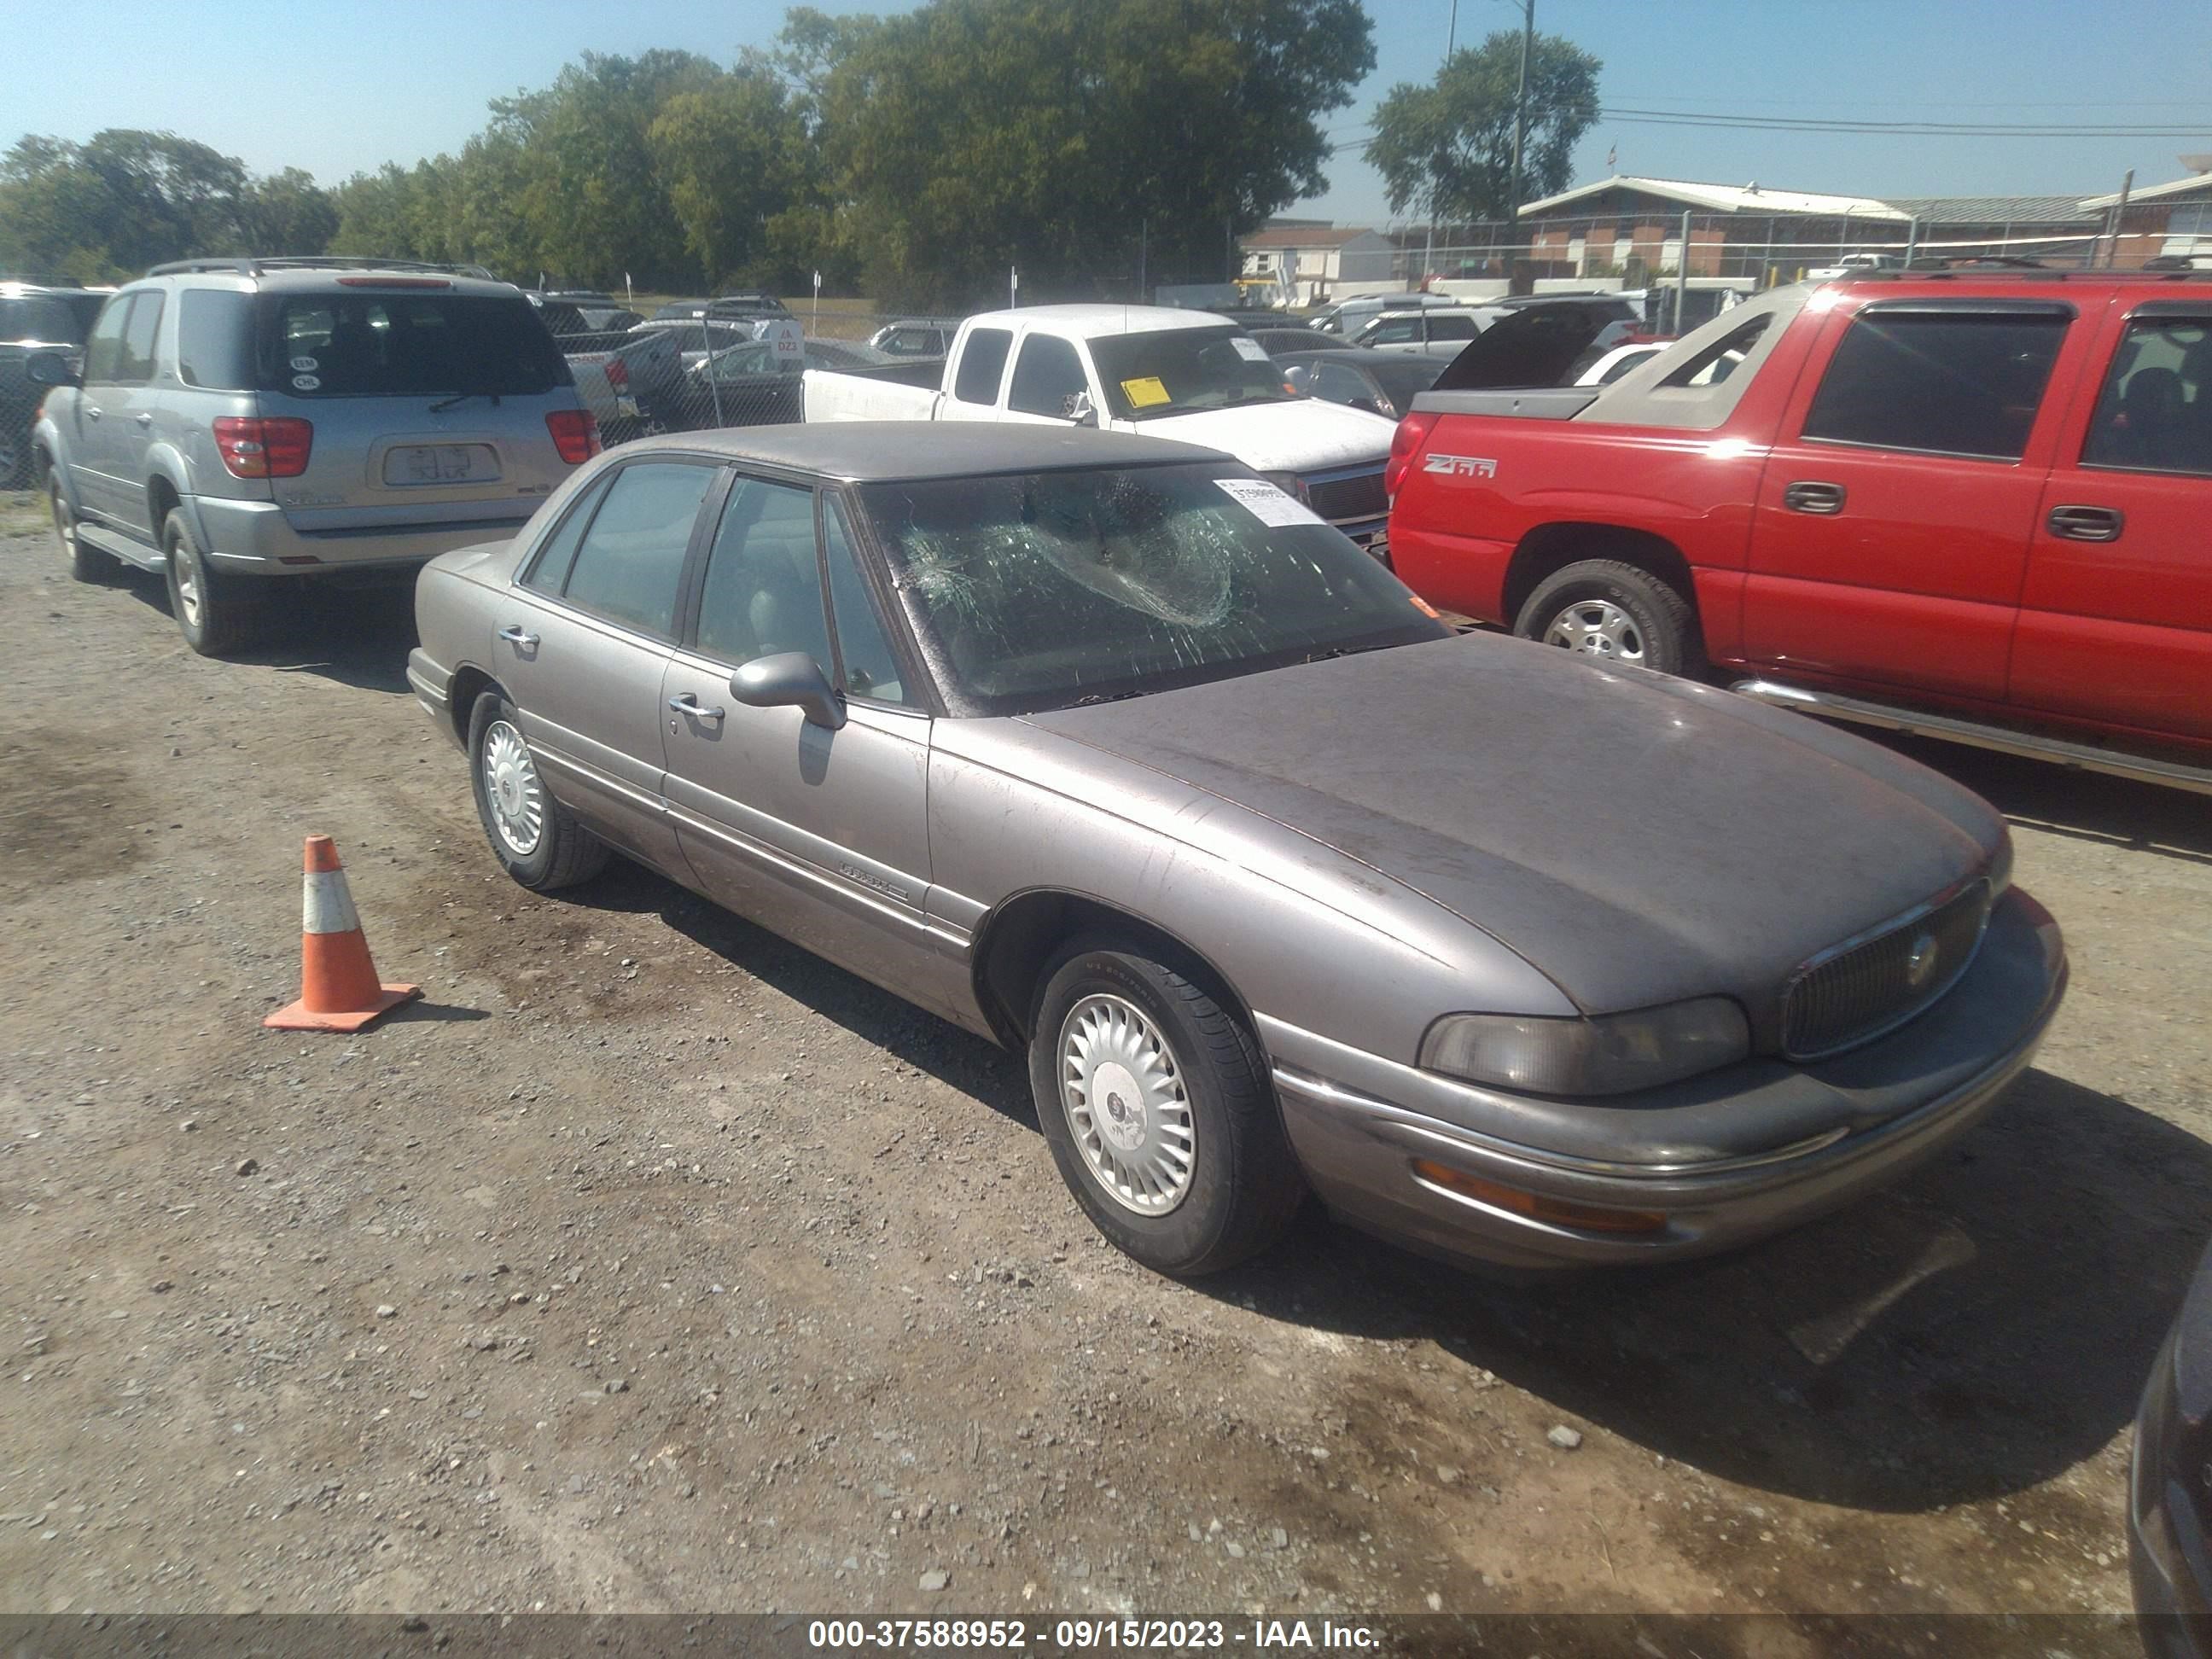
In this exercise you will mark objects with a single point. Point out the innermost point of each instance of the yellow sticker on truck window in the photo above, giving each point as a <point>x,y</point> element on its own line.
<point>1145,392</point>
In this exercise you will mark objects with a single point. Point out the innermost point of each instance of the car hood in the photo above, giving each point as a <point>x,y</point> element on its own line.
<point>1300,435</point>
<point>1636,838</point>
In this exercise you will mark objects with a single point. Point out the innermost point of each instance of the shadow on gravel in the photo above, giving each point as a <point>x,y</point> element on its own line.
<point>929,1044</point>
<point>358,636</point>
<point>1975,1331</point>
<point>433,1013</point>
<point>2172,822</point>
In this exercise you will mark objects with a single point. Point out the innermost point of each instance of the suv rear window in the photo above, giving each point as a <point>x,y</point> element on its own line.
<point>370,344</point>
<point>33,319</point>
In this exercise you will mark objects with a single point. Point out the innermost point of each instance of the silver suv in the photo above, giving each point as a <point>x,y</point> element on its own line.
<point>238,421</point>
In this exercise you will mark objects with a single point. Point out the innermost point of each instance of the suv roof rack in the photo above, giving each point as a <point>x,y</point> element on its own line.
<point>258,264</point>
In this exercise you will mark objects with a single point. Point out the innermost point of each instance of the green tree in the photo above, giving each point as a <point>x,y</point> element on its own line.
<point>1450,142</point>
<point>287,213</point>
<point>730,155</point>
<point>375,213</point>
<point>971,134</point>
<point>119,202</point>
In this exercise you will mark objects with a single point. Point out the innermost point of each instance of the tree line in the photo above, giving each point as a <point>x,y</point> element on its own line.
<point>916,157</point>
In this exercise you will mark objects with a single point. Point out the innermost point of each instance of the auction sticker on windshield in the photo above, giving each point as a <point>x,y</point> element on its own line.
<point>1250,350</point>
<point>1269,505</point>
<point>1146,391</point>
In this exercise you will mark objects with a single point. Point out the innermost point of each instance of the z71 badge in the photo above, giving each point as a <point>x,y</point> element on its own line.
<point>1461,466</point>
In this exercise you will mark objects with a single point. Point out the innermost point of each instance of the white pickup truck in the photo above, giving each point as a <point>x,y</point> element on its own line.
<point>1168,373</point>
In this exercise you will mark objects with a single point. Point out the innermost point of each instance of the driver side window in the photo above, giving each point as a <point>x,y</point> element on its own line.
<point>1048,378</point>
<point>763,588</point>
<point>103,352</point>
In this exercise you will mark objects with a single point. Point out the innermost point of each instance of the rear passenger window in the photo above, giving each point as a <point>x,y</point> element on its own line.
<point>1956,383</point>
<point>2155,413</point>
<point>983,365</point>
<point>134,364</point>
<point>764,592</point>
<point>631,558</point>
<point>548,571</point>
<point>214,339</point>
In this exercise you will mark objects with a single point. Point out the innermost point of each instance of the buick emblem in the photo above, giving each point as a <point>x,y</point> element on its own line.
<point>1920,962</point>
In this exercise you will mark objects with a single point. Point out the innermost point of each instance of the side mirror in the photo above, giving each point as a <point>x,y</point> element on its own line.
<point>1080,412</point>
<point>789,679</point>
<point>1294,379</point>
<point>48,368</point>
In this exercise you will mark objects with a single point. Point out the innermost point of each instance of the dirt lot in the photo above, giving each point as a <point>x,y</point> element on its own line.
<point>651,1264</point>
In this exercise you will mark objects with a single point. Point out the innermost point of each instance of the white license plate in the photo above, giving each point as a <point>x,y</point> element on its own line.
<point>440,463</point>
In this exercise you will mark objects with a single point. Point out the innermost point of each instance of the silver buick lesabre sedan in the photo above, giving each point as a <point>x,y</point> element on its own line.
<point>1106,748</point>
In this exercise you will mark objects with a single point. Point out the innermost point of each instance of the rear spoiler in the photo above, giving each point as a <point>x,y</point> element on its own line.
<point>1536,403</point>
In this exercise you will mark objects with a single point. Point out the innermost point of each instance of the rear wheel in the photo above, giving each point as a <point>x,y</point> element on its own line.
<point>84,563</point>
<point>217,615</point>
<point>1616,613</point>
<point>536,838</point>
<point>1156,1104</point>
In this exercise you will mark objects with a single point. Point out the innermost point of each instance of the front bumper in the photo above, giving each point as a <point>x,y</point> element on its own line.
<point>256,539</point>
<point>2169,1563</point>
<point>1734,1156</point>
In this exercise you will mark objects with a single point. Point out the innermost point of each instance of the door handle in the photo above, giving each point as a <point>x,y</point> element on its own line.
<point>142,418</point>
<point>92,411</point>
<point>2086,524</point>
<point>687,704</point>
<point>521,638</point>
<point>1825,499</point>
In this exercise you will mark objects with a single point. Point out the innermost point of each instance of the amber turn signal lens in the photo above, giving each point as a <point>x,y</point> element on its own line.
<point>1558,1212</point>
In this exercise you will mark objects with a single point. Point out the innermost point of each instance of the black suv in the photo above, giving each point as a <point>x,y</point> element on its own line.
<point>34,317</point>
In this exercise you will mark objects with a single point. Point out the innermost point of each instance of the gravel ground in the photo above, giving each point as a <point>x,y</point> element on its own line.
<point>650,1264</point>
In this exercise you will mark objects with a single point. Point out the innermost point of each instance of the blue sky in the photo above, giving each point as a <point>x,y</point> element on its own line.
<point>336,86</point>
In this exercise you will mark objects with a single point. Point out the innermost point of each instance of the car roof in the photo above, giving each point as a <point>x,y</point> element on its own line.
<point>882,452</point>
<point>1093,322</point>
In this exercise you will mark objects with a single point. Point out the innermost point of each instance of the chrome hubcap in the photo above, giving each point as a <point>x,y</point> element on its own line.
<point>1597,627</point>
<point>1123,1094</point>
<point>518,801</point>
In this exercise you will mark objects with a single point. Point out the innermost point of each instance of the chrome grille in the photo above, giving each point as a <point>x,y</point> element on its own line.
<point>1861,989</point>
<point>1360,496</point>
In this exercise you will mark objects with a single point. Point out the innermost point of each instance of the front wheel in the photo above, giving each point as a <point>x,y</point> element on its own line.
<point>1155,1101</point>
<point>537,840</point>
<point>1616,613</point>
<point>216,615</point>
<point>85,564</point>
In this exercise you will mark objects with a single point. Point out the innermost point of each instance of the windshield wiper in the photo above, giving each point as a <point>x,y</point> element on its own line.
<point>1348,650</point>
<point>1102,697</point>
<point>444,404</point>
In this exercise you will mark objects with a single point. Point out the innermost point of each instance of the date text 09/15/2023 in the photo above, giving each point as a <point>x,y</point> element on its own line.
<point>1093,1635</point>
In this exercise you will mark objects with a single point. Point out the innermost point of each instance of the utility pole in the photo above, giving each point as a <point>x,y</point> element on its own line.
<point>1520,109</point>
<point>2120,218</point>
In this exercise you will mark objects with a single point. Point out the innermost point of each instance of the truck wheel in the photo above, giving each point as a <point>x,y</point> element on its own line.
<point>215,614</point>
<point>536,838</point>
<point>1156,1104</point>
<point>1616,613</point>
<point>85,564</point>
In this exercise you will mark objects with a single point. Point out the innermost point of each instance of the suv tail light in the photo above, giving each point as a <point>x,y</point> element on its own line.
<point>1405,445</point>
<point>575,434</point>
<point>617,374</point>
<point>254,448</point>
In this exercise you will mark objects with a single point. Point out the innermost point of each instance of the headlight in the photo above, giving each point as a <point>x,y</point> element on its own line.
<point>1608,1056</point>
<point>1288,482</point>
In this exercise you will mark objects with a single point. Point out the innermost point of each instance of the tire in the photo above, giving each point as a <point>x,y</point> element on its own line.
<point>1207,1117</point>
<point>1615,612</point>
<point>85,564</point>
<point>552,851</point>
<point>217,615</point>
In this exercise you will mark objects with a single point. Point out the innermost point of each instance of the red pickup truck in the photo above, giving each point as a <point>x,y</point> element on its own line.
<point>1970,505</point>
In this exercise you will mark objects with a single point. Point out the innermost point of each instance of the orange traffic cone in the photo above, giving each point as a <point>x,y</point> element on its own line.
<point>338,988</point>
